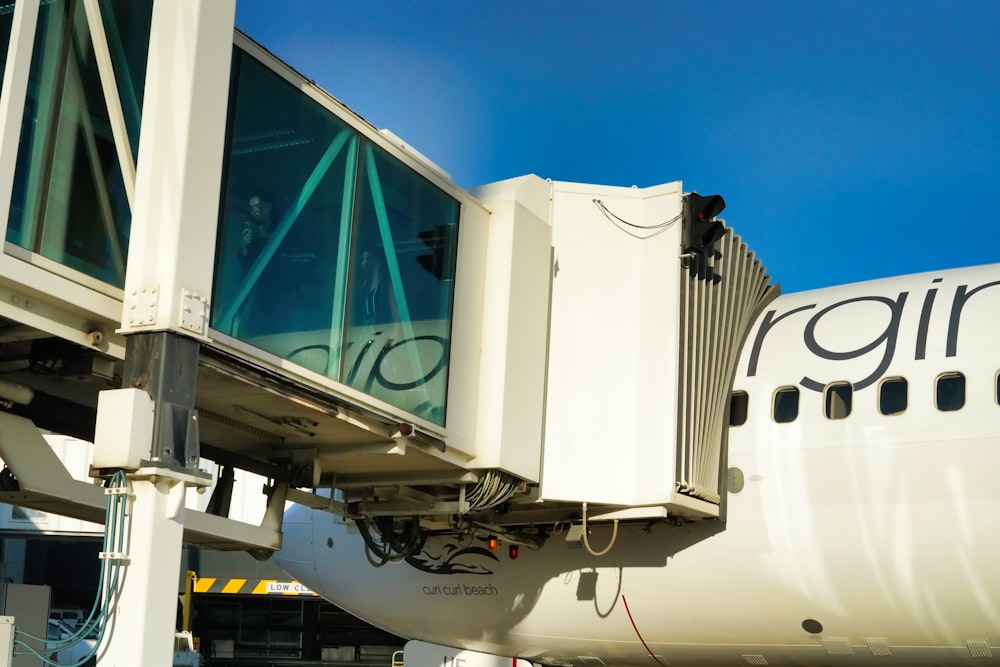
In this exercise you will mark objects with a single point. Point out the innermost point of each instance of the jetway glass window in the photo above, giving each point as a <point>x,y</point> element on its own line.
<point>6,23</point>
<point>402,277</point>
<point>286,209</point>
<point>127,25</point>
<point>331,253</point>
<point>69,202</point>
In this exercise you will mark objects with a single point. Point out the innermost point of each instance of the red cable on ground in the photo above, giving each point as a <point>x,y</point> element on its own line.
<point>632,621</point>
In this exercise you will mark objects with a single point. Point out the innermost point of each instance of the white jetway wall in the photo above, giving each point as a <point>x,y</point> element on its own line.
<point>518,270</point>
<point>611,400</point>
<point>580,343</point>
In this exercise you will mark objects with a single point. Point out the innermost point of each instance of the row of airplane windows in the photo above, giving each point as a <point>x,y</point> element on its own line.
<point>893,399</point>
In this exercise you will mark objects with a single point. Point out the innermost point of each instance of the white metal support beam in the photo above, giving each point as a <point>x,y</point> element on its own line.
<point>142,626</point>
<point>167,287</point>
<point>105,68</point>
<point>22,38</point>
<point>178,175</point>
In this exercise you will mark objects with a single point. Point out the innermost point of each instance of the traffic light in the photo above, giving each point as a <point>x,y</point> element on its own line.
<point>701,229</point>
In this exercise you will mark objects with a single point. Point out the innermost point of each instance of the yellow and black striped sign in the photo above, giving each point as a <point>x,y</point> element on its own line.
<point>250,586</point>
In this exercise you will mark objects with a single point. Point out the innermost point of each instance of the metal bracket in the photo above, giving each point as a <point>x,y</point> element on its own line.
<point>194,312</point>
<point>140,307</point>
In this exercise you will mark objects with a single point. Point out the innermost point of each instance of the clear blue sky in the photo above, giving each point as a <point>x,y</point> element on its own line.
<point>851,140</point>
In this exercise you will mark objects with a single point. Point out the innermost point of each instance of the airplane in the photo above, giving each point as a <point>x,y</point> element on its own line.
<point>860,521</point>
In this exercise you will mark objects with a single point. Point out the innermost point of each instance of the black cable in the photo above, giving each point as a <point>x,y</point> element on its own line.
<point>658,228</point>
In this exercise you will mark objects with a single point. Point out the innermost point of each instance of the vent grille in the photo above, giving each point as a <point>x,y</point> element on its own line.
<point>838,645</point>
<point>755,659</point>
<point>878,645</point>
<point>978,648</point>
<point>721,297</point>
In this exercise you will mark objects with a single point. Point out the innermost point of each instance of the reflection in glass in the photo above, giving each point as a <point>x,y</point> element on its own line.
<point>786,405</point>
<point>402,277</point>
<point>69,202</point>
<point>950,394</point>
<point>127,26</point>
<point>6,23</point>
<point>284,217</point>
<point>838,400</point>
<point>331,253</point>
<point>892,396</point>
<point>739,404</point>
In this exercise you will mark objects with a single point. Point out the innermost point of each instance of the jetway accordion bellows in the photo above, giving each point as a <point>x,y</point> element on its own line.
<point>722,294</point>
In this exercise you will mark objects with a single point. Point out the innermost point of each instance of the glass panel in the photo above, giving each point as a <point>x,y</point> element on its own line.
<point>127,26</point>
<point>288,194</point>
<point>320,228</point>
<point>950,392</point>
<point>837,404</point>
<point>69,201</point>
<point>402,278</point>
<point>18,513</point>
<point>892,396</point>
<point>6,23</point>
<point>738,404</point>
<point>786,405</point>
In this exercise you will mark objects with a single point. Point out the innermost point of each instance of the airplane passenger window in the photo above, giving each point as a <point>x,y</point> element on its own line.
<point>786,405</point>
<point>997,394</point>
<point>738,404</point>
<point>837,400</point>
<point>950,392</point>
<point>892,396</point>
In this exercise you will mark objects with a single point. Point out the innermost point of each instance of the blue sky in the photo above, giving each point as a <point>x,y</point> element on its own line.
<point>852,140</point>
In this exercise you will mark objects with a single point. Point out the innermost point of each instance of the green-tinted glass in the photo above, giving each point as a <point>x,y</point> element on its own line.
<point>127,26</point>
<point>331,253</point>
<point>402,277</point>
<point>69,202</point>
<point>286,212</point>
<point>6,23</point>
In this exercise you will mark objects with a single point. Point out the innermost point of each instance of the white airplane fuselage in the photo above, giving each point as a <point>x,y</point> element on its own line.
<point>867,539</point>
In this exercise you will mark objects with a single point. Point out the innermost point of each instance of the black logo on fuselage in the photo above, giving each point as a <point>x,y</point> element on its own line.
<point>453,559</point>
<point>886,339</point>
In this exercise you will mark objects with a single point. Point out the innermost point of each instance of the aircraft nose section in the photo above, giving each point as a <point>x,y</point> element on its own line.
<point>297,555</point>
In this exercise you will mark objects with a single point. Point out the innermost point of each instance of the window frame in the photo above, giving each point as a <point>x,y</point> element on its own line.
<point>949,375</point>
<point>784,389</point>
<point>828,393</point>
<point>894,379</point>
<point>745,396</point>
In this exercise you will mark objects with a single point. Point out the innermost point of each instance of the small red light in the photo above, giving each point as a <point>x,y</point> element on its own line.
<point>405,430</point>
<point>513,551</point>
<point>492,542</point>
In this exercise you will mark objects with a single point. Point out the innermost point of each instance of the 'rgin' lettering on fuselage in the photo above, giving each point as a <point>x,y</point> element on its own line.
<point>886,339</point>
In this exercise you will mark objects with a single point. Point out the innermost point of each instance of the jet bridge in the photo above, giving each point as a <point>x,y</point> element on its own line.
<point>211,264</point>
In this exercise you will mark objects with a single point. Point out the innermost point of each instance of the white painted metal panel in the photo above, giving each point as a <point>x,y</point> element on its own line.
<point>613,345</point>
<point>515,330</point>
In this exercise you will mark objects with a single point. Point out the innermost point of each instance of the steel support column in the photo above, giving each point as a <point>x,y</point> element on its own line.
<point>168,283</point>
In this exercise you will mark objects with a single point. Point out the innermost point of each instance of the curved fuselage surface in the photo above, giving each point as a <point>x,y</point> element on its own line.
<point>857,538</point>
